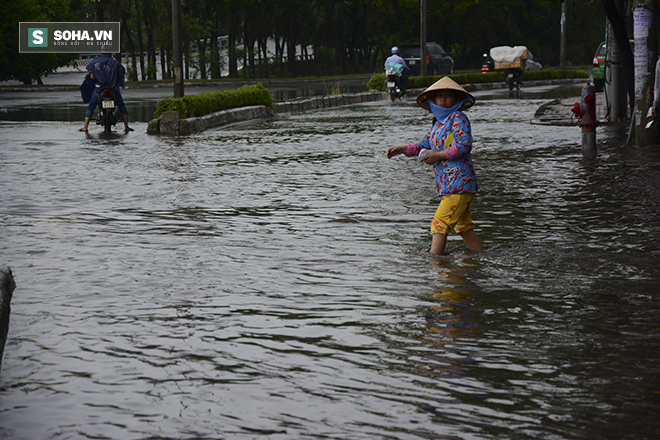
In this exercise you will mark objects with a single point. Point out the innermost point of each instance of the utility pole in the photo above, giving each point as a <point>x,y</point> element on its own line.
<point>177,53</point>
<point>562,44</point>
<point>422,37</point>
<point>644,30</point>
<point>614,80</point>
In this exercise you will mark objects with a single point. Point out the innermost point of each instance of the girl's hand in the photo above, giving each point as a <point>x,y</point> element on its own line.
<point>434,156</point>
<point>393,151</point>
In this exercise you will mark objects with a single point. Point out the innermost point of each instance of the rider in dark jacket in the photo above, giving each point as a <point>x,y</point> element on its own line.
<point>105,71</point>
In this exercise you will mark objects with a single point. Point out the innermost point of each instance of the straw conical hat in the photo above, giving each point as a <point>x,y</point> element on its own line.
<point>444,83</point>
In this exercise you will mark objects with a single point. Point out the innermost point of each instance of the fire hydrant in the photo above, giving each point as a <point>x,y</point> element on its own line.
<point>586,111</point>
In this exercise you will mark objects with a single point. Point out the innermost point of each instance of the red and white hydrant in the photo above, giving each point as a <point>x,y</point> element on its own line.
<point>586,111</point>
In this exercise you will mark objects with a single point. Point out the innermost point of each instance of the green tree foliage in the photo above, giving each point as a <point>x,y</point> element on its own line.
<point>27,67</point>
<point>478,25</point>
<point>330,37</point>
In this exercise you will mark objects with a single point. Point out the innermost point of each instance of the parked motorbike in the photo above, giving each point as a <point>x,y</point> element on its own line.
<point>394,85</point>
<point>108,111</point>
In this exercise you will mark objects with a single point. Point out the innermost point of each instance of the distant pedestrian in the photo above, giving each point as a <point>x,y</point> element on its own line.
<point>447,147</point>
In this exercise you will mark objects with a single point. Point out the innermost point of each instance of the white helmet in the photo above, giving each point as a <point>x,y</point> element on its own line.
<point>395,49</point>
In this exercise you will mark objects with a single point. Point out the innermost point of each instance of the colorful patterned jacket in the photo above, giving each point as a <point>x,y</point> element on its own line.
<point>455,175</point>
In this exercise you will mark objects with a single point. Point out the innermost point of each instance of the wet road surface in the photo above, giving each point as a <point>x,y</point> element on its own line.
<point>272,279</point>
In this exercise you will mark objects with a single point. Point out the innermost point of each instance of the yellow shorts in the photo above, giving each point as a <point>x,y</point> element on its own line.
<point>453,213</point>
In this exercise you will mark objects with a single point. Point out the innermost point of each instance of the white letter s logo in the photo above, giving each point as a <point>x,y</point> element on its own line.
<point>38,38</point>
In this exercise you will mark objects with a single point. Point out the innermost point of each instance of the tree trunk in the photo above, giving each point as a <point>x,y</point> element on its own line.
<point>248,45</point>
<point>201,52</point>
<point>141,47</point>
<point>263,62</point>
<point>151,50</point>
<point>100,14</point>
<point>168,61</point>
<point>253,67</point>
<point>163,71</point>
<point>304,55</point>
<point>214,54</point>
<point>291,48</point>
<point>131,48</point>
<point>233,59</point>
<point>186,59</point>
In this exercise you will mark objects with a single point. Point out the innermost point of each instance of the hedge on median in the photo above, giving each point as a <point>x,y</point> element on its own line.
<point>377,80</point>
<point>206,103</point>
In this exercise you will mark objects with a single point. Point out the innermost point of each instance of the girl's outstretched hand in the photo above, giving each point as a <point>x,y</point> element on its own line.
<point>393,151</point>
<point>434,156</point>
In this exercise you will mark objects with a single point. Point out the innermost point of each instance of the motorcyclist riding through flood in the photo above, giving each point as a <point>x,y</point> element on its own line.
<point>395,66</point>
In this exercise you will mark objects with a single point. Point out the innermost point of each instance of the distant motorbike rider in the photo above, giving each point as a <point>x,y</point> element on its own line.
<point>104,71</point>
<point>398,64</point>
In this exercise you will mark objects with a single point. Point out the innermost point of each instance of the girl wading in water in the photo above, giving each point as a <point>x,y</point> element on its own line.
<point>447,148</point>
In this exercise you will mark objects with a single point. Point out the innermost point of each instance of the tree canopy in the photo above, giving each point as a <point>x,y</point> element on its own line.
<point>329,37</point>
<point>21,66</point>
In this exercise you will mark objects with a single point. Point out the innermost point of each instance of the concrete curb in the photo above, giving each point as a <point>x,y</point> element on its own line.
<point>169,124</point>
<point>174,126</point>
<point>7,286</point>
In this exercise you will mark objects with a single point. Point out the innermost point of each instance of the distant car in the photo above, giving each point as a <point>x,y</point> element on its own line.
<point>532,63</point>
<point>598,71</point>
<point>438,61</point>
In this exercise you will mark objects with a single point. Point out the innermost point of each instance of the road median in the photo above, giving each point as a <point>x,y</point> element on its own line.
<point>171,123</point>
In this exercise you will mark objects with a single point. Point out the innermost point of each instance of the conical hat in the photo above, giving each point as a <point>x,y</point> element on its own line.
<point>444,83</point>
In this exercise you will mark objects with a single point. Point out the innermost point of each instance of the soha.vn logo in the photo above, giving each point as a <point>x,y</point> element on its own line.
<point>69,37</point>
<point>82,35</point>
<point>37,37</point>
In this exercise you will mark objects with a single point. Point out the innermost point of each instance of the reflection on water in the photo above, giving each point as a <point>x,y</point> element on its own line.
<point>451,326</point>
<point>139,110</point>
<point>453,316</point>
<point>66,105</point>
<point>272,279</point>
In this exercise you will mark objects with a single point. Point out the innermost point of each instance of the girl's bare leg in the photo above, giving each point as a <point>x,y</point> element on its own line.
<point>438,244</point>
<point>471,240</point>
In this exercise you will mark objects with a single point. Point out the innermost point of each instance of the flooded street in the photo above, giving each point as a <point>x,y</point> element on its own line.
<point>271,280</point>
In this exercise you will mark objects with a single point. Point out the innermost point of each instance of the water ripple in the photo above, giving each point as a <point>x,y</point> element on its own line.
<point>272,279</point>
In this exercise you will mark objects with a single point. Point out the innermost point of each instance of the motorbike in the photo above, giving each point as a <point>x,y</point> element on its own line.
<point>108,110</point>
<point>487,64</point>
<point>513,61</point>
<point>394,85</point>
<point>513,78</point>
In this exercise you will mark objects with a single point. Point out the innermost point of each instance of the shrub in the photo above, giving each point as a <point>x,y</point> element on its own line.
<point>205,103</point>
<point>377,82</point>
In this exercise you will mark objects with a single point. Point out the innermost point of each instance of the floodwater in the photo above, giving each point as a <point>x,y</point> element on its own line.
<point>271,280</point>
